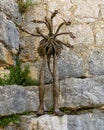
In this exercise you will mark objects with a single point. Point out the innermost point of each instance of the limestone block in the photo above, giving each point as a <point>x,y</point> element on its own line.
<point>100,37</point>
<point>9,36</point>
<point>85,121</point>
<point>69,65</point>
<point>5,56</point>
<point>62,6</point>
<point>85,20</point>
<point>10,8</point>
<point>87,8</point>
<point>83,33</point>
<point>101,12</point>
<point>17,99</point>
<point>28,50</point>
<point>96,62</point>
<point>82,92</point>
<point>74,93</point>
<point>45,122</point>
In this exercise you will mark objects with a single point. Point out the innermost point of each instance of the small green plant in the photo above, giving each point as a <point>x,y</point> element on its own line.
<point>64,109</point>
<point>50,111</point>
<point>2,81</point>
<point>4,121</point>
<point>30,81</point>
<point>24,6</point>
<point>18,76</point>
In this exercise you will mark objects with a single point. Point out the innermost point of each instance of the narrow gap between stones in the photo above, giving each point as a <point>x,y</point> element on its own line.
<point>81,110</point>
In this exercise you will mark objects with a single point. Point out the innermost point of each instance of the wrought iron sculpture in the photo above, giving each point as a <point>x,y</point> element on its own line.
<point>50,47</point>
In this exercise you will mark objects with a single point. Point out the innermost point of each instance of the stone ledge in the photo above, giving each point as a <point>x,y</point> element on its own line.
<point>74,93</point>
<point>88,121</point>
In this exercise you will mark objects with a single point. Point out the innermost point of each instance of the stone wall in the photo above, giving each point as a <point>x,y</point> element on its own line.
<point>88,121</point>
<point>74,94</point>
<point>87,18</point>
<point>86,61</point>
<point>83,98</point>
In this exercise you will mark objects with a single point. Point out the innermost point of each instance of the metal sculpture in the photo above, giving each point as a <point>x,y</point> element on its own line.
<point>50,47</point>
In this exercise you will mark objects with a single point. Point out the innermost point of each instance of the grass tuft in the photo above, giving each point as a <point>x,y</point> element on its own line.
<point>24,6</point>
<point>18,76</point>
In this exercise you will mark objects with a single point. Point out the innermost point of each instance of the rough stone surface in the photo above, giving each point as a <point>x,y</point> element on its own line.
<point>28,50</point>
<point>5,56</point>
<point>11,126</point>
<point>100,37</point>
<point>101,12</point>
<point>4,72</point>
<point>82,92</point>
<point>17,99</point>
<point>83,33</point>
<point>69,65</point>
<point>74,93</point>
<point>10,8</point>
<point>9,35</point>
<point>45,122</point>
<point>87,121</point>
<point>86,59</point>
<point>61,6</point>
<point>87,25</point>
<point>96,62</point>
<point>87,8</point>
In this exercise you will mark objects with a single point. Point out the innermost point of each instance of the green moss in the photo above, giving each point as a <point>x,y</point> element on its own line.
<point>68,110</point>
<point>50,111</point>
<point>64,109</point>
<point>2,81</point>
<point>24,6</point>
<point>4,121</point>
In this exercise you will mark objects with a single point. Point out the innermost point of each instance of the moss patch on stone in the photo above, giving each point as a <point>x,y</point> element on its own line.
<point>6,120</point>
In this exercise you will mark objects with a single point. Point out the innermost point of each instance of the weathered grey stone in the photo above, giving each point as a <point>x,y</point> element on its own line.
<point>82,92</point>
<point>5,56</point>
<point>45,122</point>
<point>17,99</point>
<point>83,33</point>
<point>96,62</point>
<point>74,93</point>
<point>85,20</point>
<point>10,8</point>
<point>88,121</point>
<point>9,35</point>
<point>100,37</point>
<point>69,65</point>
<point>61,6</point>
<point>101,12</point>
<point>28,50</point>
<point>11,126</point>
<point>87,8</point>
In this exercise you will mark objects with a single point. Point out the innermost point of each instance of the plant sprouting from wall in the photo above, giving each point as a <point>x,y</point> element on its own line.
<point>25,5</point>
<point>18,76</point>
<point>6,120</point>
